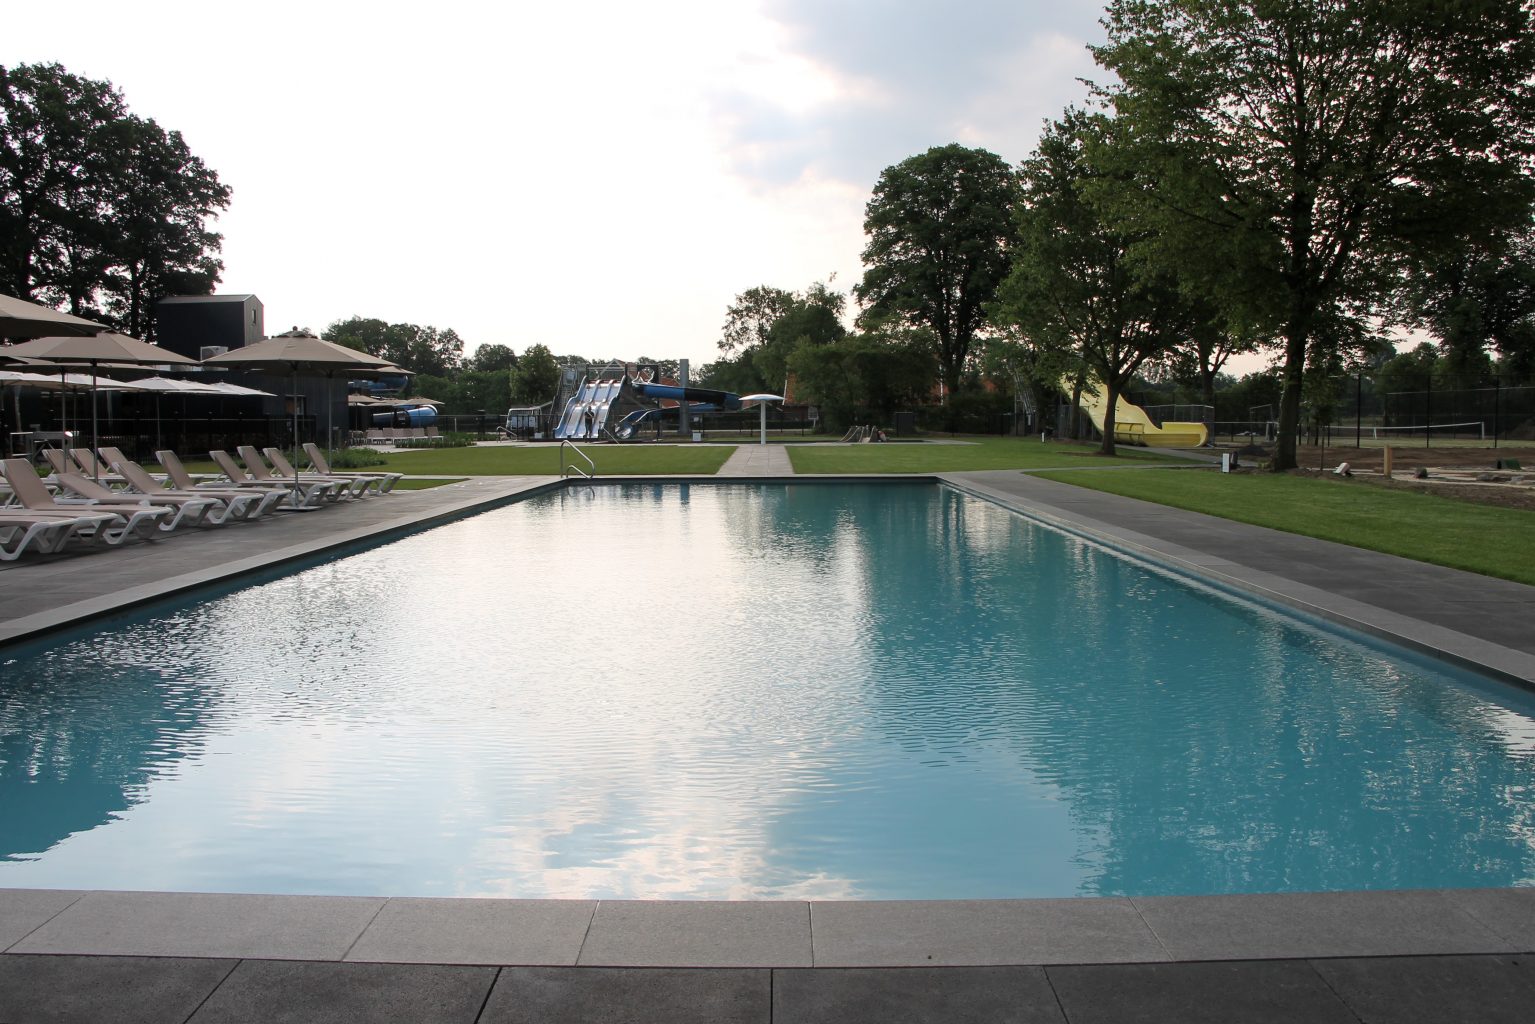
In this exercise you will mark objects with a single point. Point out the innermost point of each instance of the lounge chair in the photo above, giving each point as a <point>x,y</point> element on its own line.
<point>305,495</point>
<point>317,459</point>
<point>357,486</point>
<point>233,503</point>
<point>257,467</point>
<point>97,469</point>
<point>35,497</point>
<point>45,533</point>
<point>190,511</point>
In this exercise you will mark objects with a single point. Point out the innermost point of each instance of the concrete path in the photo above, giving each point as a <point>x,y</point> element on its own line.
<point>760,460</point>
<point>113,956</point>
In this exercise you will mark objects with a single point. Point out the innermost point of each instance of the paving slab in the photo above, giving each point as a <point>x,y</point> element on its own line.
<point>1220,993</point>
<point>205,924</point>
<point>474,931</point>
<point>617,995</point>
<point>1336,924</point>
<point>24,910</point>
<point>952,995</point>
<point>122,990</point>
<point>928,933</point>
<point>1432,990</point>
<point>279,992</point>
<point>1508,912</point>
<point>677,933</point>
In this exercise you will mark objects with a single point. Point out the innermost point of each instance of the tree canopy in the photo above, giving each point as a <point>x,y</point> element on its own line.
<point>764,326</point>
<point>424,350</point>
<point>1294,156</point>
<point>940,230</point>
<point>1075,291</point>
<point>101,211</point>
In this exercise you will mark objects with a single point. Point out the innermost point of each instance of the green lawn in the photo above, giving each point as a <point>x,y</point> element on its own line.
<point>1479,538</point>
<point>503,460</point>
<point>980,453</point>
<point>418,485</point>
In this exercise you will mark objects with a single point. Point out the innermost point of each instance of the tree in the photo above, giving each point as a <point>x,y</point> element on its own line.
<point>100,210</point>
<point>1074,289</point>
<point>863,377</point>
<point>940,228</point>
<point>1296,153</point>
<point>1479,294</point>
<point>491,358</point>
<point>424,350</point>
<point>536,377</point>
<point>765,325</point>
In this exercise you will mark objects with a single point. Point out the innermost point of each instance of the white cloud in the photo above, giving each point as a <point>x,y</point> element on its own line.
<point>601,177</point>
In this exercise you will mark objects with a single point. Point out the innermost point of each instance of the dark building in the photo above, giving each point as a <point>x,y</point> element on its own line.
<point>189,324</point>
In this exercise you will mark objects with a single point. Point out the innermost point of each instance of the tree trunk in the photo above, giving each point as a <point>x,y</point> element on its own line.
<point>1111,398</point>
<point>1289,400</point>
<point>1075,433</point>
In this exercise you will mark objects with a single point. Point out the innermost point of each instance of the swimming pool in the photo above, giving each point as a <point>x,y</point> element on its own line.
<point>740,691</point>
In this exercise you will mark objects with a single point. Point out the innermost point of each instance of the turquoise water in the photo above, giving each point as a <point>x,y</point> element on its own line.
<point>789,691</point>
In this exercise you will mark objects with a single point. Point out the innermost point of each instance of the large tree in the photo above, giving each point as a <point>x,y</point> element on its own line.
<point>940,228</point>
<point>100,211</point>
<point>765,325</point>
<point>1076,292</point>
<point>425,350</point>
<point>1295,154</point>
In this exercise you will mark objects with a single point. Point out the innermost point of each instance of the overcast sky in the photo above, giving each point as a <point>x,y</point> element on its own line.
<point>602,177</point>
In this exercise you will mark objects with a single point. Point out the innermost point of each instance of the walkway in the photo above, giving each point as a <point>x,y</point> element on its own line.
<point>758,460</point>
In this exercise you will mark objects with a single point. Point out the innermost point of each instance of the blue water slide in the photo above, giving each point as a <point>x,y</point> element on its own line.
<point>711,398</point>
<point>424,416</point>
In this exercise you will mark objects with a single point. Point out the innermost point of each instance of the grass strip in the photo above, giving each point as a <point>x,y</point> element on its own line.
<point>1478,538</point>
<point>544,460</point>
<point>978,453</point>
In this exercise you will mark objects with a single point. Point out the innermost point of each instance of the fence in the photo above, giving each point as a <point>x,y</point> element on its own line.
<point>1455,411</point>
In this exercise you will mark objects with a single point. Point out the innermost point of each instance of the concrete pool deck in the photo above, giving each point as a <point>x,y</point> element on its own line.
<point>1432,955</point>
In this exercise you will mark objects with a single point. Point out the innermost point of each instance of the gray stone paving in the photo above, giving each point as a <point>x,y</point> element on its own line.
<point>761,460</point>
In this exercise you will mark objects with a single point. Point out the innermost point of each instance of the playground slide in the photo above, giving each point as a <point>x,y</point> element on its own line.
<point>1133,426</point>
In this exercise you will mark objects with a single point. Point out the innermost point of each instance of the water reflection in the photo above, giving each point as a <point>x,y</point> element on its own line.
<point>750,692</point>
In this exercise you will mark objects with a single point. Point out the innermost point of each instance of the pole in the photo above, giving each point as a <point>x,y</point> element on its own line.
<point>1358,407</point>
<point>1495,394</point>
<point>763,409</point>
<point>1428,412</point>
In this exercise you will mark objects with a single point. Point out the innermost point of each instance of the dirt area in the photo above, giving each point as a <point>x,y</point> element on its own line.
<point>1452,472</point>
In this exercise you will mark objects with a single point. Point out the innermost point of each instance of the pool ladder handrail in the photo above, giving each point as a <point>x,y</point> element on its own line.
<point>573,468</point>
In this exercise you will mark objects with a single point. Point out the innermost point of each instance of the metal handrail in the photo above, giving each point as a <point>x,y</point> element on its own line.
<point>573,467</point>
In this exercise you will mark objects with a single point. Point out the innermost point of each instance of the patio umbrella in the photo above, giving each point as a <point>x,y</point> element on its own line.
<point>291,351</point>
<point>93,351</point>
<point>174,386</point>
<point>22,319</point>
<point>761,402</point>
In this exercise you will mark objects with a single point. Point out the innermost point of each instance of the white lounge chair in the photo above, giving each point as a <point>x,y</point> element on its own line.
<point>231,504</point>
<point>357,486</point>
<point>308,495</point>
<point>322,466</point>
<point>256,466</point>
<point>44,533</point>
<point>35,497</point>
<point>190,511</point>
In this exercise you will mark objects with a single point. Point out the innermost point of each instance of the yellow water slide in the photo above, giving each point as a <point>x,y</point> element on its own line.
<point>1133,426</point>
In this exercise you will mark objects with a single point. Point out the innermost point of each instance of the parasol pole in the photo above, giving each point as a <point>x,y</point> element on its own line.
<point>95,429</point>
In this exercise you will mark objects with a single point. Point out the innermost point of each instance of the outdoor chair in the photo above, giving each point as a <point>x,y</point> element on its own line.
<point>190,511</point>
<point>256,466</point>
<point>35,497</point>
<point>386,481</point>
<point>305,495</point>
<point>235,503</point>
<point>44,533</point>
<point>95,468</point>
<point>356,487</point>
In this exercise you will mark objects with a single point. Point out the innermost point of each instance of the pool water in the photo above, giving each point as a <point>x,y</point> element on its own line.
<point>741,691</point>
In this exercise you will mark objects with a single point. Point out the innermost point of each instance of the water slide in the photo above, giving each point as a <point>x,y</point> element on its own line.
<point>698,399</point>
<point>1133,426</point>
